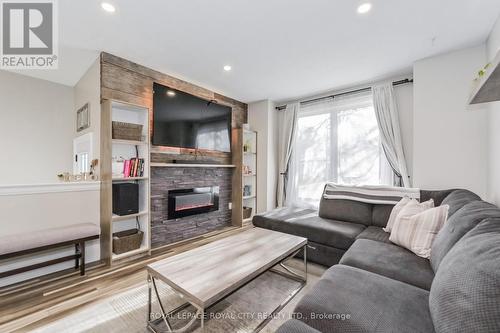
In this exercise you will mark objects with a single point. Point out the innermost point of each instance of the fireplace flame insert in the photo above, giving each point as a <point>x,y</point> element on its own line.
<point>192,201</point>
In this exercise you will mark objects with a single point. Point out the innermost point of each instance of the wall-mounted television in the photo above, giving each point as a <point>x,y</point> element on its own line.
<point>186,121</point>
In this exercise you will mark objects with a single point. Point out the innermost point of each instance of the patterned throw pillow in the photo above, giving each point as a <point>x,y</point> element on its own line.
<point>394,213</point>
<point>406,208</point>
<point>417,232</point>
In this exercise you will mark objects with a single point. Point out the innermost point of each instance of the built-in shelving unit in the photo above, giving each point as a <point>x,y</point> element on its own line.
<point>113,153</point>
<point>249,172</point>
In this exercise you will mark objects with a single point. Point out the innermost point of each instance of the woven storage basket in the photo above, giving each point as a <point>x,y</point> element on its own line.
<point>127,131</point>
<point>247,212</point>
<point>127,240</point>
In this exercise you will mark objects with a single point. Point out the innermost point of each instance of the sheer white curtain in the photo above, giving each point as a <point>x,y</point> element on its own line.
<point>390,133</point>
<point>336,140</point>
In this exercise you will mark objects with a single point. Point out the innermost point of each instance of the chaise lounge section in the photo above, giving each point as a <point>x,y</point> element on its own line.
<point>377,286</point>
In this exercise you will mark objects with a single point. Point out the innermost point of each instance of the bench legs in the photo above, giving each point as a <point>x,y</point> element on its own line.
<point>80,257</point>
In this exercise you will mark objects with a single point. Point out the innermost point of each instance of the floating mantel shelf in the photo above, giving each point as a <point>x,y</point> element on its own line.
<point>179,165</point>
<point>488,87</point>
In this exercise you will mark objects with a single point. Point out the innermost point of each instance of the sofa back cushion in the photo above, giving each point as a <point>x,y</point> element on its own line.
<point>459,198</point>
<point>437,195</point>
<point>465,293</point>
<point>458,225</point>
<point>380,215</point>
<point>346,210</point>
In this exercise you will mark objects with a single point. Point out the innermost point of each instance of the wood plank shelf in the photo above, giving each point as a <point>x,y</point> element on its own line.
<point>129,142</point>
<point>179,165</point>
<point>140,250</point>
<point>117,218</point>
<point>124,179</point>
<point>249,197</point>
<point>249,175</point>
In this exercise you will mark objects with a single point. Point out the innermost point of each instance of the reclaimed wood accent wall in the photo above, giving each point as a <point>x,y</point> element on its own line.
<point>132,83</point>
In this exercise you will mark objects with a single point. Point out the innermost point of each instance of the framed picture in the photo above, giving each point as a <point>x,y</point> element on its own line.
<point>83,118</point>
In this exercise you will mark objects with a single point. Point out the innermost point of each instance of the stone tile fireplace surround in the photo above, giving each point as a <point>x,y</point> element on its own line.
<point>163,179</point>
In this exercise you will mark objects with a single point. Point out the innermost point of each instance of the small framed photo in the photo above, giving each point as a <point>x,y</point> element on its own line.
<point>83,118</point>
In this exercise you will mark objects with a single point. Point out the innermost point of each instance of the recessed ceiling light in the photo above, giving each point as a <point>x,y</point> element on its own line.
<point>364,8</point>
<point>227,68</point>
<point>171,93</point>
<point>108,7</point>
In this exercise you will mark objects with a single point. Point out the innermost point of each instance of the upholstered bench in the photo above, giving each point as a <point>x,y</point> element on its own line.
<point>28,243</point>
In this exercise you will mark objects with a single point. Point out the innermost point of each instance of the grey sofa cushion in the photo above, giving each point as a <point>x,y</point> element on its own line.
<point>346,210</point>
<point>457,199</point>
<point>373,303</point>
<point>437,195</point>
<point>458,225</point>
<point>391,261</point>
<point>465,294</point>
<point>376,234</point>
<point>295,326</point>
<point>323,254</point>
<point>380,215</point>
<point>307,223</point>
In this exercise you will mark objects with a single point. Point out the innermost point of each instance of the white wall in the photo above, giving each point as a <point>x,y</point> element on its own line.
<point>263,118</point>
<point>449,139</point>
<point>37,121</point>
<point>87,91</point>
<point>37,128</point>
<point>492,48</point>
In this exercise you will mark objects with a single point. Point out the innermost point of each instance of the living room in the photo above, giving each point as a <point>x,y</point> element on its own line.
<point>236,166</point>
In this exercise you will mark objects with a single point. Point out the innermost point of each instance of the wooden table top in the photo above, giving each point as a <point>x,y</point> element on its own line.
<point>206,274</point>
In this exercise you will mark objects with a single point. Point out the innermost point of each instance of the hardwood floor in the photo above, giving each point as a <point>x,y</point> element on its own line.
<point>38,299</point>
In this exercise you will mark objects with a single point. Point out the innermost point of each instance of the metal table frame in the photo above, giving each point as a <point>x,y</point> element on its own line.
<point>288,272</point>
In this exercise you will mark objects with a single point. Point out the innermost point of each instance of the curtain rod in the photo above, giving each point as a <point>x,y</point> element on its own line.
<point>395,83</point>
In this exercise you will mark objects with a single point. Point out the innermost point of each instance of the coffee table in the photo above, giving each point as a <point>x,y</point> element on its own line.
<point>207,274</point>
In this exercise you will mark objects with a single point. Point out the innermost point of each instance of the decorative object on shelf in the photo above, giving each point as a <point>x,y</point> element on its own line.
<point>83,118</point>
<point>247,147</point>
<point>247,190</point>
<point>126,131</point>
<point>133,167</point>
<point>117,166</point>
<point>247,170</point>
<point>247,212</point>
<point>127,240</point>
<point>93,166</point>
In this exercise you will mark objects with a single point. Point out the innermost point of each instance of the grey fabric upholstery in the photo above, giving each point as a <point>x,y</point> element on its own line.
<point>380,215</point>
<point>391,261</point>
<point>459,198</point>
<point>465,294</point>
<point>346,210</point>
<point>373,303</point>
<point>376,234</point>
<point>281,214</point>
<point>308,224</point>
<point>438,196</point>
<point>295,326</point>
<point>323,254</point>
<point>458,225</point>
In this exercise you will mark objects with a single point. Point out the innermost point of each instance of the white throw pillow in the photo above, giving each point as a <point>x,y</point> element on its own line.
<point>394,213</point>
<point>417,232</point>
<point>412,207</point>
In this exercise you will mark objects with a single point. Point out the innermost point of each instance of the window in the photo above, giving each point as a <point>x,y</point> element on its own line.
<point>336,140</point>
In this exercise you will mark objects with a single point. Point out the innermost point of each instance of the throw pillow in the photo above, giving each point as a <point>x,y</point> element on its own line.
<point>394,213</point>
<point>417,232</point>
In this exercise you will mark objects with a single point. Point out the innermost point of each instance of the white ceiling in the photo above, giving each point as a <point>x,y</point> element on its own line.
<point>278,49</point>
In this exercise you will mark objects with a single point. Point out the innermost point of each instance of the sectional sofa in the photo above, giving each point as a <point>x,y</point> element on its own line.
<point>376,286</point>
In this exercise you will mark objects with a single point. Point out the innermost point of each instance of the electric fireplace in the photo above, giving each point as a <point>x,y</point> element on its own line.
<point>192,201</point>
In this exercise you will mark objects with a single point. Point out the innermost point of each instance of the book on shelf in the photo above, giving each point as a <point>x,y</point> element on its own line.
<point>133,168</point>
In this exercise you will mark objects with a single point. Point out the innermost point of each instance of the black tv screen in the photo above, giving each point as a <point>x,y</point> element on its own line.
<point>186,121</point>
